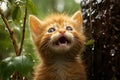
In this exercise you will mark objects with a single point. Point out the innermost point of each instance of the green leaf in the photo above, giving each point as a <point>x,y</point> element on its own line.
<point>16,14</point>
<point>90,42</point>
<point>23,64</point>
<point>5,43</point>
<point>31,7</point>
<point>6,68</point>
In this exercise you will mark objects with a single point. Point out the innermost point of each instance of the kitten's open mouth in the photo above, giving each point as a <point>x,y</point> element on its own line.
<point>62,41</point>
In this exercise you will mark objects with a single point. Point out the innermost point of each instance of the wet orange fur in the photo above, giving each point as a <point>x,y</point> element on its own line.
<point>58,65</point>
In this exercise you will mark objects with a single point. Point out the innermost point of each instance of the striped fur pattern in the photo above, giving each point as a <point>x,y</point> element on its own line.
<point>59,40</point>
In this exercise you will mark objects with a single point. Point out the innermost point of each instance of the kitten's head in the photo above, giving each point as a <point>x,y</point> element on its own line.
<point>58,33</point>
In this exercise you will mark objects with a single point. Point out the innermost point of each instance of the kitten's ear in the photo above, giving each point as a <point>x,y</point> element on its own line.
<point>35,25</point>
<point>77,17</point>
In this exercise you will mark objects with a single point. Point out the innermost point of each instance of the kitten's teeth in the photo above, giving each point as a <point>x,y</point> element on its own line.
<point>63,44</point>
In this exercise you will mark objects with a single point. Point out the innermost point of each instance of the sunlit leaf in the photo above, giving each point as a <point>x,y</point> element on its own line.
<point>31,7</point>
<point>90,42</point>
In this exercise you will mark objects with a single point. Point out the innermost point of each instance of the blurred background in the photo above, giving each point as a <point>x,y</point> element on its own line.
<point>102,28</point>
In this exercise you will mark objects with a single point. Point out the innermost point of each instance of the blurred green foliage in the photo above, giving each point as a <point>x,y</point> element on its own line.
<point>22,64</point>
<point>14,11</point>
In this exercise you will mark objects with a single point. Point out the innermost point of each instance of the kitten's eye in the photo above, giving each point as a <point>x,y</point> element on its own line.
<point>51,30</point>
<point>69,28</point>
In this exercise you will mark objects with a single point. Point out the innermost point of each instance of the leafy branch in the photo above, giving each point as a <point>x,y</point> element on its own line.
<point>18,50</point>
<point>12,35</point>
<point>18,67</point>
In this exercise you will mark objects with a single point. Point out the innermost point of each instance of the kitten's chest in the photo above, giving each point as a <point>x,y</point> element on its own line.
<point>69,71</point>
<point>61,71</point>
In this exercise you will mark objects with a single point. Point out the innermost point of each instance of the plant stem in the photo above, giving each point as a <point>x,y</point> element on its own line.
<point>23,32</point>
<point>12,36</point>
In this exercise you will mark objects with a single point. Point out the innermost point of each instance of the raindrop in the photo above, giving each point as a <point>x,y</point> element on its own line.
<point>105,11</point>
<point>116,48</point>
<point>104,46</point>
<point>87,1</point>
<point>111,6</point>
<point>78,1</point>
<point>60,5</point>
<point>6,29</point>
<point>93,20</point>
<point>103,33</point>
<point>33,61</point>
<point>23,78</point>
<point>85,21</point>
<point>82,3</point>
<point>99,1</point>
<point>97,17</point>
<point>92,32</point>
<point>21,21</point>
<point>11,76</point>
<point>93,12</point>
<point>103,23</point>
<point>23,50</point>
<point>93,48</point>
<point>112,52</point>
<point>17,28</point>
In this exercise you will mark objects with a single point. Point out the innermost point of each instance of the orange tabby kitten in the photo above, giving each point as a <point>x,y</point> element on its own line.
<point>59,40</point>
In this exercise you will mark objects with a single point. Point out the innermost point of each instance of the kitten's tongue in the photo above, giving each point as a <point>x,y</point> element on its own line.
<point>62,41</point>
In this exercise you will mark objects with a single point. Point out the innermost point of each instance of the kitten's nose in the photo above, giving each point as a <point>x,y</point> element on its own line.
<point>62,32</point>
